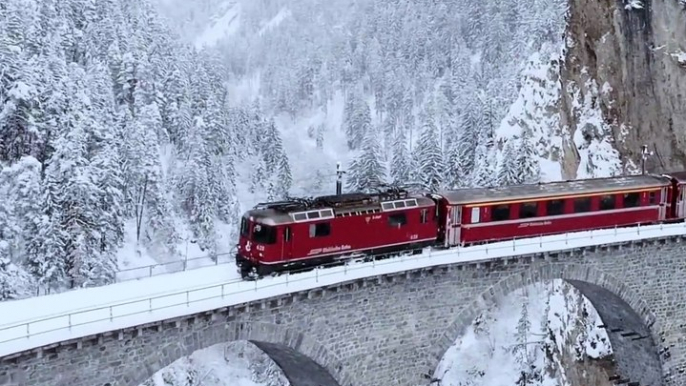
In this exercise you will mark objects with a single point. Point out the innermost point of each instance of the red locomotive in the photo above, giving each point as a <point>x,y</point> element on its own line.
<point>300,233</point>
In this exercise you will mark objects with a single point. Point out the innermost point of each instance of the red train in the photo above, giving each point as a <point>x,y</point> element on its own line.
<point>301,233</point>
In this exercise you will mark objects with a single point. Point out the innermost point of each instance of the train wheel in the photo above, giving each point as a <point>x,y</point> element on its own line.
<point>263,270</point>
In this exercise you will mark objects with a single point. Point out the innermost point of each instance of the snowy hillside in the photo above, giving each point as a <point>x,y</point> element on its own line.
<point>386,73</point>
<point>118,146</point>
<point>124,144</point>
<point>542,335</point>
<point>545,334</point>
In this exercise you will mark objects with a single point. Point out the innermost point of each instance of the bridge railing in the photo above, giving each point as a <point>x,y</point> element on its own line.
<point>39,332</point>
<point>151,270</point>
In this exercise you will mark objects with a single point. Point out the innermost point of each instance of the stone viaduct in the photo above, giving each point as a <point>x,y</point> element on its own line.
<point>394,329</point>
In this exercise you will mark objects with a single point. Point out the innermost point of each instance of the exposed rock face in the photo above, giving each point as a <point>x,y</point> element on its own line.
<point>635,56</point>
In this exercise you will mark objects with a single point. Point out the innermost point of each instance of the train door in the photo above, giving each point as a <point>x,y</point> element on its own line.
<point>287,244</point>
<point>454,226</point>
<point>662,215</point>
<point>680,201</point>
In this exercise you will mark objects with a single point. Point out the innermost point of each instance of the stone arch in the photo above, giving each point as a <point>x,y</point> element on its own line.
<point>617,305</point>
<point>303,361</point>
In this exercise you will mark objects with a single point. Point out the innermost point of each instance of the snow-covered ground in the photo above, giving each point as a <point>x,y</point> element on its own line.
<point>539,331</point>
<point>223,27</point>
<point>229,364</point>
<point>39,321</point>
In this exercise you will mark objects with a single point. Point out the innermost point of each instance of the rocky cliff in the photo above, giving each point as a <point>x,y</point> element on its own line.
<point>628,57</point>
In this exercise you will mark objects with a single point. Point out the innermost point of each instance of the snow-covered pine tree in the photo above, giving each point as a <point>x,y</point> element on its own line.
<point>357,121</point>
<point>468,139</point>
<point>271,146</point>
<point>9,229</point>
<point>319,136</point>
<point>195,191</point>
<point>444,117</point>
<point>15,283</point>
<point>284,177</point>
<point>73,212</point>
<point>367,171</point>
<point>428,153</point>
<point>508,173</point>
<point>258,176</point>
<point>527,160</point>
<point>20,207</point>
<point>455,174</point>
<point>389,129</point>
<point>107,166</point>
<point>522,338</point>
<point>150,187</point>
<point>401,162</point>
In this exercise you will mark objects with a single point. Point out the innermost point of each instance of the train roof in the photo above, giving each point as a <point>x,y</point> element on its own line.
<point>680,177</point>
<point>552,189</point>
<point>328,207</point>
<point>269,216</point>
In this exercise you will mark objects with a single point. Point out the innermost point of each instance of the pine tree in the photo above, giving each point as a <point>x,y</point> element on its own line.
<point>483,174</point>
<point>195,191</point>
<point>367,172</point>
<point>400,165</point>
<point>357,121</point>
<point>21,207</point>
<point>455,173</point>
<point>523,330</point>
<point>508,173</point>
<point>468,140</point>
<point>258,176</point>
<point>429,155</point>
<point>527,160</point>
<point>285,179</point>
<point>319,136</point>
<point>15,283</point>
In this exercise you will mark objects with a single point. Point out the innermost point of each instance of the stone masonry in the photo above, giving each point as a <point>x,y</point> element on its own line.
<point>394,329</point>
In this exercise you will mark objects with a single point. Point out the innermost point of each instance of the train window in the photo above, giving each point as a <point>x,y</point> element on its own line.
<point>397,220</point>
<point>500,213</point>
<point>632,200</point>
<point>555,207</point>
<point>424,216</point>
<point>312,215</point>
<point>399,204</point>
<point>287,234</point>
<point>652,198</point>
<point>582,204</point>
<point>263,234</point>
<point>607,202</point>
<point>244,227</point>
<point>320,230</point>
<point>528,210</point>
<point>476,215</point>
<point>300,216</point>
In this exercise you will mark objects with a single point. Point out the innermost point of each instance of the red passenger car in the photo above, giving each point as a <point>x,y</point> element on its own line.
<point>300,233</point>
<point>676,200</point>
<point>470,216</point>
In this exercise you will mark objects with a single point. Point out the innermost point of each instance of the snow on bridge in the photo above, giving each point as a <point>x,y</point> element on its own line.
<point>45,320</point>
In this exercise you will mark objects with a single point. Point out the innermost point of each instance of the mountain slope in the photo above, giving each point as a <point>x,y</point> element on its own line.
<point>115,138</point>
<point>316,66</point>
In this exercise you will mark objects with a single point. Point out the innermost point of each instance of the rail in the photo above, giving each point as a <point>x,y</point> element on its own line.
<point>25,335</point>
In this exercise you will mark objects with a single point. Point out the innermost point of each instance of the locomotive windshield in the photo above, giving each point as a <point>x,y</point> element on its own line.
<point>244,227</point>
<point>263,234</point>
